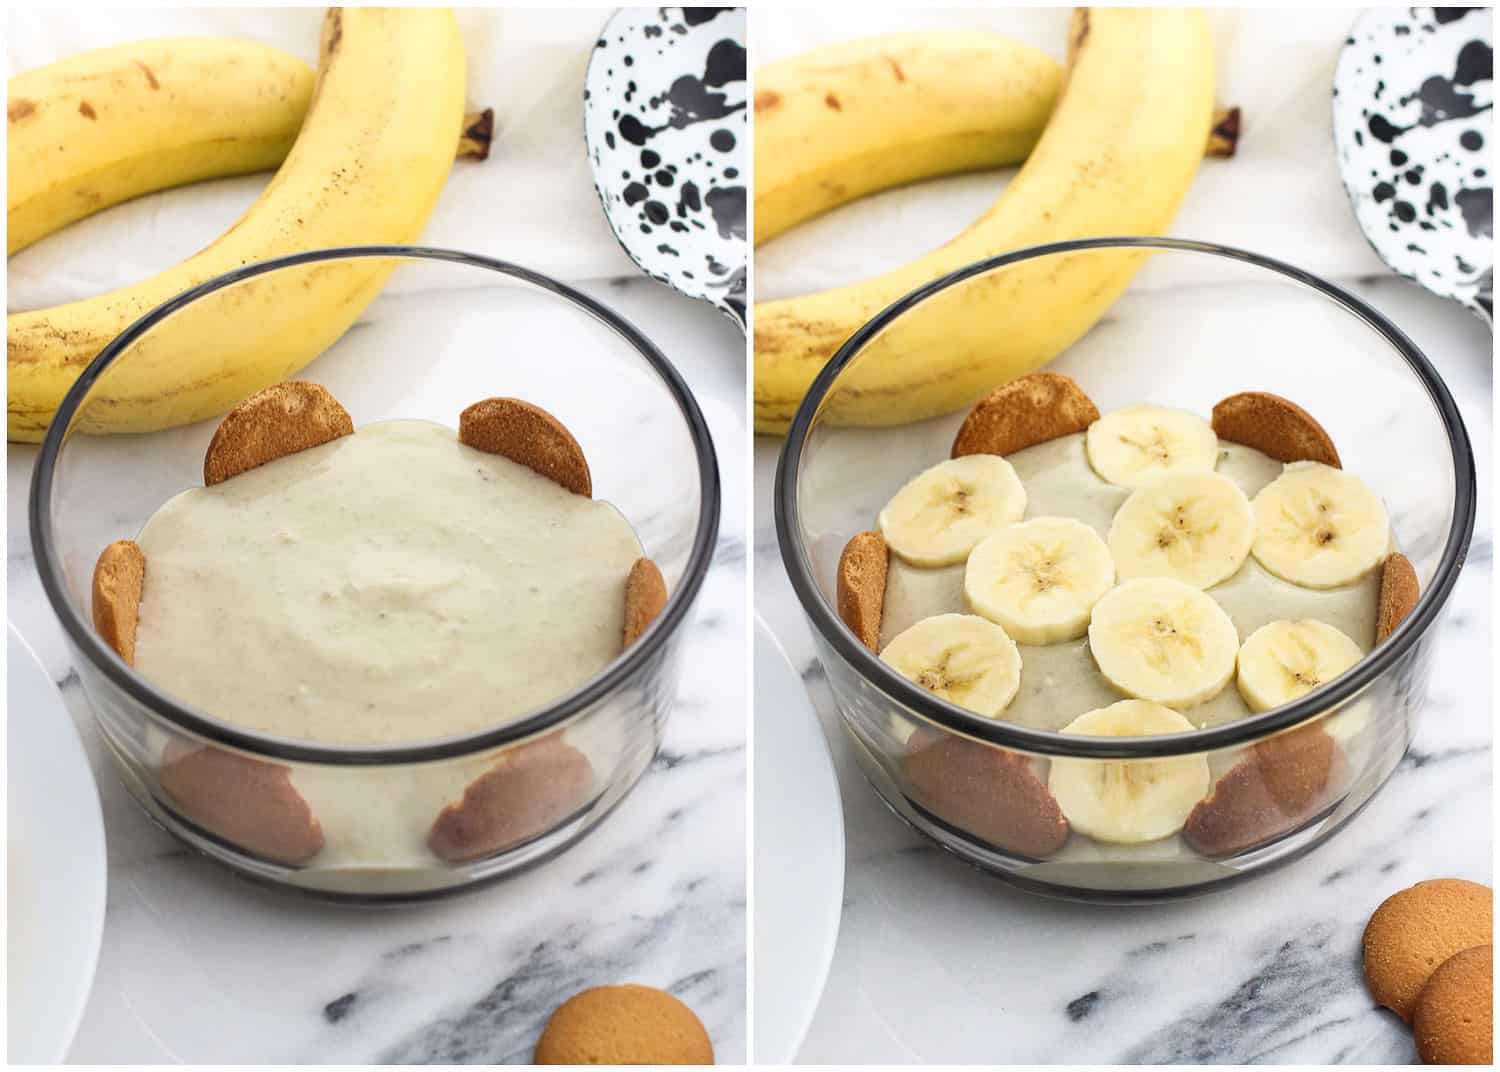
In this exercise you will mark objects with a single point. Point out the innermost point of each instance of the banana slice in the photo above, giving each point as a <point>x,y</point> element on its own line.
<point>1159,639</point>
<point>1319,527</point>
<point>1348,725</point>
<point>962,658</point>
<point>1137,445</point>
<point>1039,579</point>
<point>1193,527</point>
<point>1287,659</point>
<point>942,512</point>
<point>1135,800</point>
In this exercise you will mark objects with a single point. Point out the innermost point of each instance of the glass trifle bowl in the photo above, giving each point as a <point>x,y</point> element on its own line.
<point>1195,324</point>
<point>386,822</point>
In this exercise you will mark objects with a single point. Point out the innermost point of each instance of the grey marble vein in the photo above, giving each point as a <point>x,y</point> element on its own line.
<point>501,1026</point>
<point>1282,1002</point>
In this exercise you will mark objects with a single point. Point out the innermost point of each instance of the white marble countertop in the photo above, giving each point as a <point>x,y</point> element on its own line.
<point>200,967</point>
<point>938,963</point>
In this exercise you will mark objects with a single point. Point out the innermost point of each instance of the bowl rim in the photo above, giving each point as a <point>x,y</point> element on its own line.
<point>1318,702</point>
<point>186,717</point>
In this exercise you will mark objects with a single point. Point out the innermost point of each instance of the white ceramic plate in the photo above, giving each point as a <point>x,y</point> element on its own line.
<point>799,855</point>
<point>57,865</point>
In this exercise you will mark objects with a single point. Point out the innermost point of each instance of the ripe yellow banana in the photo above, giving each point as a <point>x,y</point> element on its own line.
<point>1116,158</point>
<point>849,119</point>
<point>104,126</point>
<point>111,124</point>
<point>367,167</point>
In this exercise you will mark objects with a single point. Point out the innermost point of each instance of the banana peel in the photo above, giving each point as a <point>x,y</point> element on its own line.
<point>374,140</point>
<point>1133,121</point>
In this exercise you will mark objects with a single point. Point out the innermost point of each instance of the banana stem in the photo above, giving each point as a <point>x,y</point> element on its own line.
<point>479,131</point>
<point>1224,136</point>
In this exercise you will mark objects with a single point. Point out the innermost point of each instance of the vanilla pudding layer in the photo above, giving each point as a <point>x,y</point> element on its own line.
<point>1059,682</point>
<point>392,586</point>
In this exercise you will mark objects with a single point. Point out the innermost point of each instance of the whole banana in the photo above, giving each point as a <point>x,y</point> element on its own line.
<point>104,126</point>
<point>849,119</point>
<point>1116,158</point>
<point>367,167</point>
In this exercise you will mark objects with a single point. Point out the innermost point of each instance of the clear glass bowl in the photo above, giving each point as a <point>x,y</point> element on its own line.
<point>1289,777</point>
<point>449,329</point>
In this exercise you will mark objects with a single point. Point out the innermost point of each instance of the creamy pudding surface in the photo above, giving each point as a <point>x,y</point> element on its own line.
<point>1062,681</point>
<point>394,585</point>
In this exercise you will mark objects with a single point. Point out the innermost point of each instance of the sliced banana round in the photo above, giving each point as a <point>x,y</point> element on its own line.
<point>1158,639</point>
<point>963,658</point>
<point>1349,723</point>
<point>1287,659</point>
<point>1039,579</point>
<point>942,512</point>
<point>1138,445</point>
<point>1128,801</point>
<point>1319,527</point>
<point>1194,527</point>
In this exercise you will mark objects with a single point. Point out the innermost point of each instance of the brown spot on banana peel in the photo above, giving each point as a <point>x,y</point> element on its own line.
<point>1078,34</point>
<point>832,101</point>
<point>86,110</point>
<point>895,68</point>
<point>333,33</point>
<point>19,109</point>
<point>150,75</point>
<point>766,100</point>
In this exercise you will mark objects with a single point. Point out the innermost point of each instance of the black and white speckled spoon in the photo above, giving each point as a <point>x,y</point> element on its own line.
<point>664,120</point>
<point>1413,120</point>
